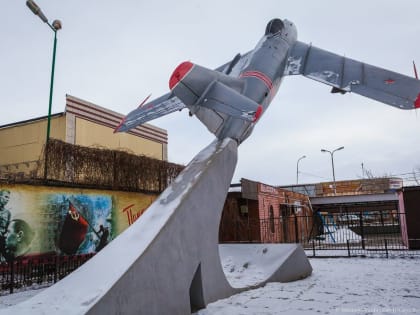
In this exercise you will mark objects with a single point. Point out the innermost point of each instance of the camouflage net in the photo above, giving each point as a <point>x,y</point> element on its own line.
<point>105,168</point>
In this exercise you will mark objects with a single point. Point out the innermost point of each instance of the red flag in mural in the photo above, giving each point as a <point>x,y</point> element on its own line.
<point>73,231</point>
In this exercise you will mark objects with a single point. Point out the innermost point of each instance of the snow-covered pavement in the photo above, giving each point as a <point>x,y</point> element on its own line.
<point>337,286</point>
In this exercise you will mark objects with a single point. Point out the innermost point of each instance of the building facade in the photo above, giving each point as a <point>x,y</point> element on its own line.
<point>82,123</point>
<point>256,212</point>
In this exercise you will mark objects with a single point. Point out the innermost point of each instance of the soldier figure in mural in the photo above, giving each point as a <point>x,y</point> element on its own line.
<point>4,220</point>
<point>18,239</point>
<point>103,240</point>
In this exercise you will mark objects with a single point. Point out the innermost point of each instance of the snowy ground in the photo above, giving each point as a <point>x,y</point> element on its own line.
<point>337,286</point>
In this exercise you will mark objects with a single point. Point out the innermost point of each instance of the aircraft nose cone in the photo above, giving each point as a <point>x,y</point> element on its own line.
<point>179,73</point>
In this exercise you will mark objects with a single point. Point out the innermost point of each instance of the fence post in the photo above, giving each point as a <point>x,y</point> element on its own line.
<point>313,247</point>
<point>382,218</point>
<point>248,230</point>
<point>348,248</point>
<point>386,247</point>
<point>55,268</point>
<point>296,230</point>
<point>362,232</point>
<point>12,275</point>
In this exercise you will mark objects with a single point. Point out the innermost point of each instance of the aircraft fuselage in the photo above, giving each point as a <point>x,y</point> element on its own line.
<point>230,100</point>
<point>261,75</point>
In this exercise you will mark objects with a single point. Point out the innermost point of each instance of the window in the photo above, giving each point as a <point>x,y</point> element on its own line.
<point>244,209</point>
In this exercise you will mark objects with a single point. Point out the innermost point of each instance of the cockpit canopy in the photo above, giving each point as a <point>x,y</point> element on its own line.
<point>274,26</point>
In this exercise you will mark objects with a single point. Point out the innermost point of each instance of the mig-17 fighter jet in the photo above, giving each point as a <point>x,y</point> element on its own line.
<point>230,99</point>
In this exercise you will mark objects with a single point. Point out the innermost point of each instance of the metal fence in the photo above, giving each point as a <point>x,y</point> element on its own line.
<point>33,272</point>
<point>370,234</point>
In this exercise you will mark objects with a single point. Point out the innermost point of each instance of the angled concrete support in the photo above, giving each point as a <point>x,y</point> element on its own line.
<point>168,261</point>
<point>264,263</point>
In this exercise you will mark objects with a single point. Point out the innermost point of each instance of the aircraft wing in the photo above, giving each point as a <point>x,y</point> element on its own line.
<point>159,107</point>
<point>348,75</point>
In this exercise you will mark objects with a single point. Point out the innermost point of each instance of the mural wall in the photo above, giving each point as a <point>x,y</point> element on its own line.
<point>43,220</point>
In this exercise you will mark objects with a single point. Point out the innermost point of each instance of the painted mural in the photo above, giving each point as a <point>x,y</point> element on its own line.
<point>38,220</point>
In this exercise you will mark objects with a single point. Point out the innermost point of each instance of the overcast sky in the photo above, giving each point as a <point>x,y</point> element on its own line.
<point>116,53</point>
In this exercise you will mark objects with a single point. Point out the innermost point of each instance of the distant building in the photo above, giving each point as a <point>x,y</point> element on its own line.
<point>365,186</point>
<point>368,207</point>
<point>256,212</point>
<point>360,195</point>
<point>82,123</point>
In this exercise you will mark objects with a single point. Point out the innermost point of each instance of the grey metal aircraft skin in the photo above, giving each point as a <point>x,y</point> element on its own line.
<point>231,99</point>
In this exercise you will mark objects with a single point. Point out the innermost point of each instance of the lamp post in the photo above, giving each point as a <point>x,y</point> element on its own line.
<point>55,26</point>
<point>332,164</point>
<point>297,168</point>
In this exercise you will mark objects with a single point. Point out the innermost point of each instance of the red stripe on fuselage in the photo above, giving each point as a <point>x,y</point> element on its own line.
<point>258,75</point>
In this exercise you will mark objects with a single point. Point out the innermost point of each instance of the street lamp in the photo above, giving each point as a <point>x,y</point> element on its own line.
<point>297,168</point>
<point>332,163</point>
<point>55,26</point>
